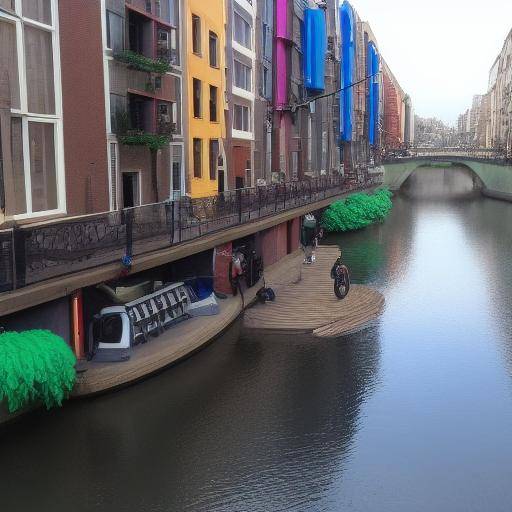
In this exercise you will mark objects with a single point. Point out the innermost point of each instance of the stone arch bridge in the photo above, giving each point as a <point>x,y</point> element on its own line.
<point>493,170</point>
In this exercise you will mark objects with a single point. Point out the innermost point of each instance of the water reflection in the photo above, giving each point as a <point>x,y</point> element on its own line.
<point>413,414</point>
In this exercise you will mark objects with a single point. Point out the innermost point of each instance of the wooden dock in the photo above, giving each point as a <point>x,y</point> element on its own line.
<point>309,305</point>
<point>177,343</point>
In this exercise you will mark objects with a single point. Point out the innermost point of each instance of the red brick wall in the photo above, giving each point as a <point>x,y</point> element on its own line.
<point>222,257</point>
<point>392,131</point>
<point>274,244</point>
<point>85,146</point>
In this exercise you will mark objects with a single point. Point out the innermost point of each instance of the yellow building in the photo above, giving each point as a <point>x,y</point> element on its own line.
<point>205,54</point>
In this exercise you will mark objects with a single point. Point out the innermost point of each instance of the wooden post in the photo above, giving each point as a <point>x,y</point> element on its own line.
<point>77,324</point>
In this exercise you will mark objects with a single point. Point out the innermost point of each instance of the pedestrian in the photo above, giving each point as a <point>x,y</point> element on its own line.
<point>308,237</point>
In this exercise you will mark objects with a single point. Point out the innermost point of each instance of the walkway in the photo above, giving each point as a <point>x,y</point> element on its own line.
<point>310,306</point>
<point>176,343</point>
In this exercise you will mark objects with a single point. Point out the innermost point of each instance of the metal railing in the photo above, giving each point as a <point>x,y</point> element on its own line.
<point>474,153</point>
<point>34,253</point>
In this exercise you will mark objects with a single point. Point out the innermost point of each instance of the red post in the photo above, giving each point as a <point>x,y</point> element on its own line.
<point>77,319</point>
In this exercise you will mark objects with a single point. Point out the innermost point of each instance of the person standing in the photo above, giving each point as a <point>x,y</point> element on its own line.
<point>308,237</point>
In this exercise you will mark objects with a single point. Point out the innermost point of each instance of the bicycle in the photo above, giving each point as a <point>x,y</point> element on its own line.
<point>341,277</point>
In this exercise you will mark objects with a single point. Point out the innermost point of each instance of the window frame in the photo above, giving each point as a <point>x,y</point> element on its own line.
<point>196,23</point>
<point>247,32</point>
<point>26,116</point>
<point>108,32</point>
<point>210,39</point>
<point>200,99</point>
<point>216,89</point>
<point>244,108</point>
<point>199,174</point>
<point>213,162</point>
<point>247,72</point>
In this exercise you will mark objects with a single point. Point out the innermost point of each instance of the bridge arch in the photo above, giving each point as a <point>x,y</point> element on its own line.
<point>496,178</point>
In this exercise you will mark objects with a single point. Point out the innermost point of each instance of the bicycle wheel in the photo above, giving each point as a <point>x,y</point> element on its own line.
<point>341,282</point>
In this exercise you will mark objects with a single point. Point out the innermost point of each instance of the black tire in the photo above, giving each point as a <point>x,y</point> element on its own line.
<point>341,282</point>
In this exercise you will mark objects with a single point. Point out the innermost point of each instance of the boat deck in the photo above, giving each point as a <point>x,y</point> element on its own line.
<point>310,306</point>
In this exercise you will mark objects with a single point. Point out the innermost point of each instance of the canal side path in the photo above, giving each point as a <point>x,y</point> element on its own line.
<point>308,305</point>
<point>305,302</point>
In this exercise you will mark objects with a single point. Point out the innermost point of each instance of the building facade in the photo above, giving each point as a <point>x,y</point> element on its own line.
<point>241,47</point>
<point>204,23</point>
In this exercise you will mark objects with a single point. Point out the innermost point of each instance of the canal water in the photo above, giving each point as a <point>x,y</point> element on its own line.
<point>412,414</point>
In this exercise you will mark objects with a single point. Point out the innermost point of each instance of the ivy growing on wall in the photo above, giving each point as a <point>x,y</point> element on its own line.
<point>151,140</point>
<point>357,211</point>
<point>142,63</point>
<point>35,366</point>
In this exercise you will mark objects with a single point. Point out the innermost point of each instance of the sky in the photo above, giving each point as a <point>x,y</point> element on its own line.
<point>440,51</point>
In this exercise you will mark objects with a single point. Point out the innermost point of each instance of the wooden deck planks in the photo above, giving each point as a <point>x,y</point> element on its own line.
<point>311,306</point>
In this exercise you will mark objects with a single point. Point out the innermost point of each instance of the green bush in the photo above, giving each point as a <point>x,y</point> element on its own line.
<point>357,211</point>
<point>151,140</point>
<point>35,366</point>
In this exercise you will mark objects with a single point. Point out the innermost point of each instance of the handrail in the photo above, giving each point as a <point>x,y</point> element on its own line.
<point>36,252</point>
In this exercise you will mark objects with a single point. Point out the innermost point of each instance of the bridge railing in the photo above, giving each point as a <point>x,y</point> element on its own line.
<point>473,153</point>
<point>34,253</point>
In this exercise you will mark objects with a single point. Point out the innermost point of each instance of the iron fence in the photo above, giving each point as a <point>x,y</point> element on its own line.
<point>34,253</point>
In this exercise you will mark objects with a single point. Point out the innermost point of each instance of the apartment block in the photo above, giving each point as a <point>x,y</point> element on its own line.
<point>204,23</point>
<point>143,77</point>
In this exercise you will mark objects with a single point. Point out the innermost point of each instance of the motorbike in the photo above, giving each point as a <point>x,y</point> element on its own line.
<point>341,277</point>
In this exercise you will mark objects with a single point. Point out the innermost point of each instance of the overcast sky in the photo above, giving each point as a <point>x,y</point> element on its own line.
<point>440,51</point>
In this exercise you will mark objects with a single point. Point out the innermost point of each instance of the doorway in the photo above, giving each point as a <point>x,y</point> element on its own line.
<point>131,189</point>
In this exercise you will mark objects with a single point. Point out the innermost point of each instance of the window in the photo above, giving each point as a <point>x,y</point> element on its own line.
<point>214,157</point>
<point>242,31</point>
<point>241,118</point>
<point>9,59</point>
<point>131,189</point>
<point>39,67</point>
<point>118,114</point>
<point>115,32</point>
<point>197,149</point>
<point>196,85</point>
<point>177,160</point>
<point>43,170</point>
<point>243,76</point>
<point>213,103</point>
<point>38,10</point>
<point>36,122</point>
<point>196,34</point>
<point>267,83</point>
<point>213,44</point>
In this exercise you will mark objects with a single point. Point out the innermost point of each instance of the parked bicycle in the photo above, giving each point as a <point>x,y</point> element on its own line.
<point>341,277</point>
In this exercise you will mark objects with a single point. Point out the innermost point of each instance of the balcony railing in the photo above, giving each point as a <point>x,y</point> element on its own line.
<point>32,254</point>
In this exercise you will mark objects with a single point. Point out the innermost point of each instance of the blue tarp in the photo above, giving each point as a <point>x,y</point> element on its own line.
<point>373,90</point>
<point>348,58</point>
<point>314,49</point>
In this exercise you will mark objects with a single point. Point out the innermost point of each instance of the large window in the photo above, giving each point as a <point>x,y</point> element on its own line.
<point>213,49</point>
<point>242,31</point>
<point>39,69</point>
<point>9,59</point>
<point>196,92</point>
<point>28,49</point>
<point>38,10</point>
<point>196,34</point>
<point>243,76</point>
<point>197,157</point>
<point>241,120</point>
<point>214,157</point>
<point>115,32</point>
<point>214,93</point>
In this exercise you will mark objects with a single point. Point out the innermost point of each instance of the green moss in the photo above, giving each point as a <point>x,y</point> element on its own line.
<point>141,63</point>
<point>35,366</point>
<point>152,141</point>
<point>357,211</point>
